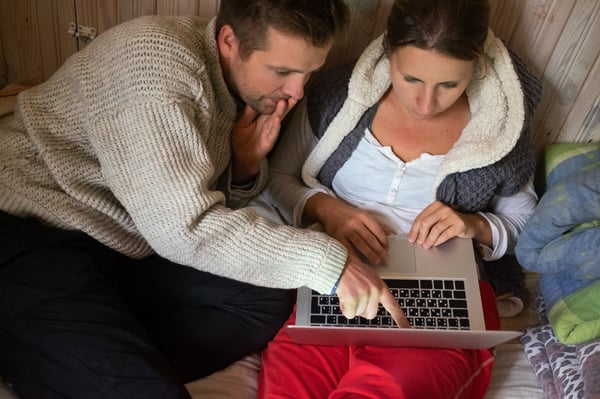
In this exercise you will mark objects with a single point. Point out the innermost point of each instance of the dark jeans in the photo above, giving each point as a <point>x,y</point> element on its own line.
<point>79,320</point>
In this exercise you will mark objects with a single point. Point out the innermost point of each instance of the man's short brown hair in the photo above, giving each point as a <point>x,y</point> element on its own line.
<point>317,21</point>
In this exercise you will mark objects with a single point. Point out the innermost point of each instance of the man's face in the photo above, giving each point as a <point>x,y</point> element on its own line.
<point>266,76</point>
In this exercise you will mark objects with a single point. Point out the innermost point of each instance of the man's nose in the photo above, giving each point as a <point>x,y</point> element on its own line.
<point>294,86</point>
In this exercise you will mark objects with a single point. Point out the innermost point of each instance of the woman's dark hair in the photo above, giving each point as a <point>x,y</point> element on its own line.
<point>318,21</point>
<point>455,28</point>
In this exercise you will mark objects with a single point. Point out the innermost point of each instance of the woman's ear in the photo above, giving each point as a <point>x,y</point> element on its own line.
<point>227,42</point>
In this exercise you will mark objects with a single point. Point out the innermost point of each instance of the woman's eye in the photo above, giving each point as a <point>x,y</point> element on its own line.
<point>449,85</point>
<point>410,79</point>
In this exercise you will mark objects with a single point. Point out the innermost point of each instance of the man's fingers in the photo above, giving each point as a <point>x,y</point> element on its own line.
<point>280,109</point>
<point>367,307</point>
<point>348,309</point>
<point>389,303</point>
<point>247,118</point>
<point>291,103</point>
<point>270,124</point>
<point>359,306</point>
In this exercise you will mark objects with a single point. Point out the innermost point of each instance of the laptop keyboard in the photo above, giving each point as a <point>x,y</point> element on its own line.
<point>431,304</point>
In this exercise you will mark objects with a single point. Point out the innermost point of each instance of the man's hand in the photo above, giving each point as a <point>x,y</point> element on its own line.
<point>438,223</point>
<point>360,291</point>
<point>252,138</point>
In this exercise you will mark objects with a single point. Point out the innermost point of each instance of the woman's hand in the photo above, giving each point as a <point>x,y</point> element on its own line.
<point>253,137</point>
<point>356,229</point>
<point>438,223</point>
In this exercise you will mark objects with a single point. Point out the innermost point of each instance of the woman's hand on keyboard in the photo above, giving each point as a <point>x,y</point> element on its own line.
<point>361,290</point>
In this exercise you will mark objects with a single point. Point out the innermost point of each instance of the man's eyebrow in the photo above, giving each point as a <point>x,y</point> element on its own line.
<point>284,68</point>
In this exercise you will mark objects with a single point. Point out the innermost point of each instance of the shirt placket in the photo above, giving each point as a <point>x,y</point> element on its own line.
<point>395,183</point>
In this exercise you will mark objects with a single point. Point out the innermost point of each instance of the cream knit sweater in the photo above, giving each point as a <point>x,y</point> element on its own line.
<point>129,143</point>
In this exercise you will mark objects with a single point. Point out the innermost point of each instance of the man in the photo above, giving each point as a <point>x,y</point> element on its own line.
<point>128,265</point>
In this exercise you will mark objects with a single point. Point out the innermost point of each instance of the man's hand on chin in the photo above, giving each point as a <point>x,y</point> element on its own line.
<point>252,138</point>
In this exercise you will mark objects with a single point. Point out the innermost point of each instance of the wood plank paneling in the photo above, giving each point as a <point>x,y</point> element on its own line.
<point>570,65</point>
<point>368,19</point>
<point>559,41</point>
<point>34,38</point>
<point>583,123</point>
<point>105,14</point>
<point>208,8</point>
<point>539,27</point>
<point>203,8</point>
<point>20,34</point>
<point>504,16</point>
<point>580,86</point>
<point>3,75</point>
<point>177,7</point>
<point>557,38</point>
<point>135,8</point>
<point>54,18</point>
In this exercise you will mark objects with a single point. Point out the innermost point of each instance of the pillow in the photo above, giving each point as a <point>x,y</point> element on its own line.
<point>565,159</point>
<point>560,241</point>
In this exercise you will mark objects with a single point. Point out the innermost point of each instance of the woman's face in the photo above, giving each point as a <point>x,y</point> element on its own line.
<point>426,83</point>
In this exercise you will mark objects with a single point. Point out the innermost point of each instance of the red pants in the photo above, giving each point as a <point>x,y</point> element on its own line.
<point>290,370</point>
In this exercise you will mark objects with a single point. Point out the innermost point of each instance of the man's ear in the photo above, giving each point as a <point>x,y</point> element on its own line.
<point>227,42</point>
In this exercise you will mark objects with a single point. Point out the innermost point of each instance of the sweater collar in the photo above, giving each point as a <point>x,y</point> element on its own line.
<point>227,102</point>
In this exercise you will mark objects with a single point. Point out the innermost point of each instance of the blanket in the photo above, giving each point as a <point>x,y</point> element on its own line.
<point>561,241</point>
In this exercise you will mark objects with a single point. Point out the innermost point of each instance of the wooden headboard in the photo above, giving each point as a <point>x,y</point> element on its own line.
<point>558,39</point>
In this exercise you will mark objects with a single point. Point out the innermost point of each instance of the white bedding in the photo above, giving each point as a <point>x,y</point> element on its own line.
<point>512,378</point>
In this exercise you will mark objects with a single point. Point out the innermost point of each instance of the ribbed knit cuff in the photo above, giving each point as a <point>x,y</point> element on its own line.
<point>333,264</point>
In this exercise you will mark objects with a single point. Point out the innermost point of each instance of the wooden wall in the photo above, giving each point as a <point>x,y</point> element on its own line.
<point>558,38</point>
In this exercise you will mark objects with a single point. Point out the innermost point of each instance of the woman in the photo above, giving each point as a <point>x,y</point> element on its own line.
<point>426,135</point>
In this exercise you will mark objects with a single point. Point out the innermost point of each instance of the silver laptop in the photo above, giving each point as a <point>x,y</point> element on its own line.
<point>438,290</point>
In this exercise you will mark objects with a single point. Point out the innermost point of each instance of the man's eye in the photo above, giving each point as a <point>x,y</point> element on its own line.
<point>282,73</point>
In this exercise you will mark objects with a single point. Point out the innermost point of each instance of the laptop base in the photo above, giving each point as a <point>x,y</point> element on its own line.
<point>400,337</point>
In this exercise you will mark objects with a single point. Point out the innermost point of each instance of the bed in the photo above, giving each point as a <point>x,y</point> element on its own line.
<point>513,375</point>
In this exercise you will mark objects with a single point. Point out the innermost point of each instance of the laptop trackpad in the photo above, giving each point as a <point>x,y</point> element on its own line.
<point>402,257</point>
